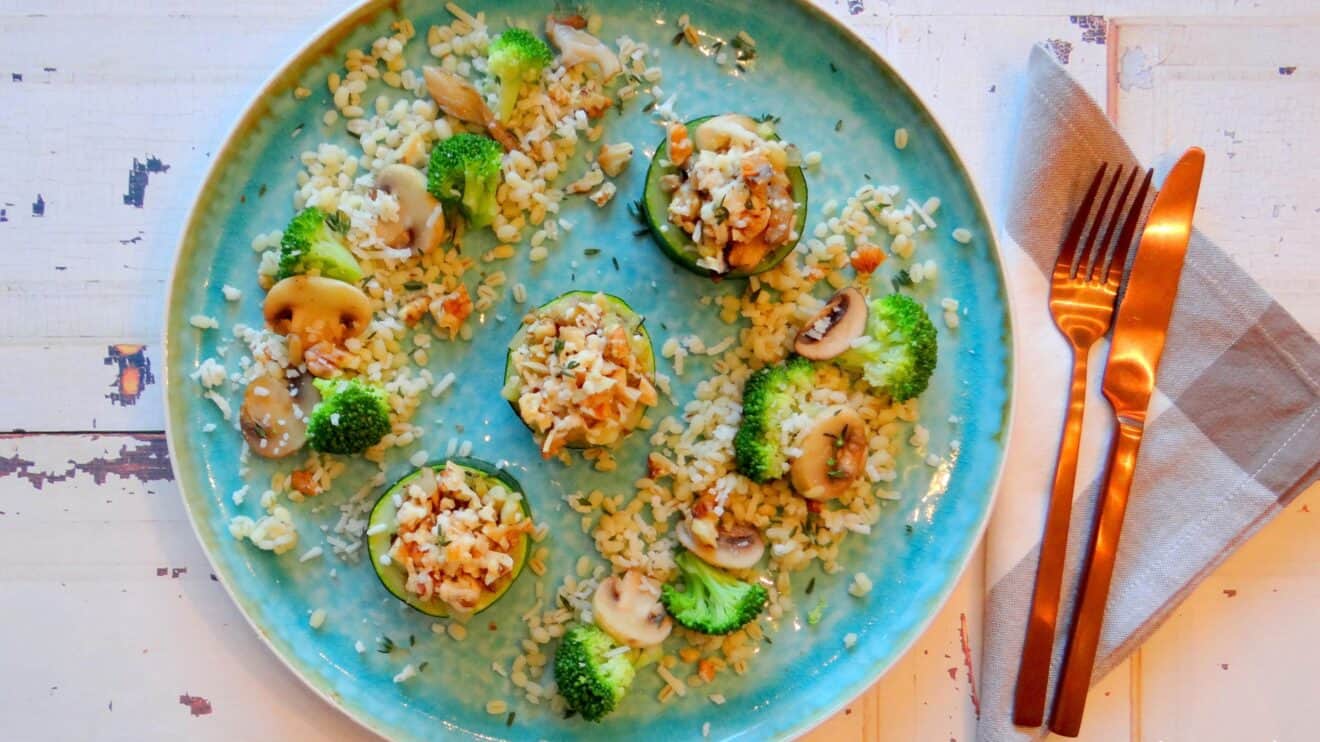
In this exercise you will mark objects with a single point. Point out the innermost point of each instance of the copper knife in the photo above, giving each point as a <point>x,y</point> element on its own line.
<point>1134,357</point>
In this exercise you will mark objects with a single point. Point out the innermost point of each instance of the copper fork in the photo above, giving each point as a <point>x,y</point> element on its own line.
<point>1083,289</point>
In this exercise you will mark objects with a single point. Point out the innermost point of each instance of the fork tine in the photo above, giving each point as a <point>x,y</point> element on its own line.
<point>1117,263</point>
<point>1088,259</point>
<point>1069,248</point>
<point>1098,269</point>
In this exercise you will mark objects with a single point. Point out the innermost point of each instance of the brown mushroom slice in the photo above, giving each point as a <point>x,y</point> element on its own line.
<point>421,222</point>
<point>833,455</point>
<point>736,547</point>
<point>718,132</point>
<point>314,309</point>
<point>458,98</point>
<point>833,330</point>
<point>628,608</point>
<point>274,414</point>
<point>579,47</point>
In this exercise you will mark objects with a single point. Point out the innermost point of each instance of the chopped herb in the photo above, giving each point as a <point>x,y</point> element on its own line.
<point>571,365</point>
<point>261,191</point>
<point>591,251</point>
<point>559,345</point>
<point>836,474</point>
<point>900,280</point>
<point>811,585</point>
<point>615,261</point>
<point>838,125</point>
<point>508,722</point>
<point>678,38</point>
<point>833,68</point>
<point>716,47</point>
<point>422,667</point>
<point>838,439</point>
<point>721,214</point>
<point>866,175</point>
<point>563,602</point>
<point>414,285</point>
<point>649,107</point>
<point>908,527</point>
<point>768,640</point>
<point>816,613</point>
<point>831,462</point>
<point>385,645</point>
<point>412,640</point>
<point>768,118</point>
<point>338,221</point>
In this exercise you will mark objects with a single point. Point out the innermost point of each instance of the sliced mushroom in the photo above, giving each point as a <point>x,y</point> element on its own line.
<point>421,222</point>
<point>736,547</point>
<point>313,309</point>
<point>717,133</point>
<point>273,417</point>
<point>579,47</point>
<point>834,328</point>
<point>628,608</point>
<point>459,99</point>
<point>833,455</point>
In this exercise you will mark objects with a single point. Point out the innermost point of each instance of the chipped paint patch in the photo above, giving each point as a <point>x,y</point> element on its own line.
<point>1062,50</point>
<point>1229,593</point>
<point>133,374</point>
<point>145,463</point>
<point>1135,70</point>
<point>138,177</point>
<point>967,662</point>
<point>856,7</point>
<point>1286,71</point>
<point>16,77</point>
<point>1093,27</point>
<point>197,706</point>
<point>39,206</point>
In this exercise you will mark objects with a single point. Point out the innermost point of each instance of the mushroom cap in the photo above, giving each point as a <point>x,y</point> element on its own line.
<point>628,608</point>
<point>718,132</point>
<point>421,220</point>
<point>833,455</point>
<point>739,546</point>
<point>273,418</point>
<point>832,331</point>
<point>317,309</point>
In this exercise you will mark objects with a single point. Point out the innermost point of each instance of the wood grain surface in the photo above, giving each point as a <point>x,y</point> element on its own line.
<point>111,625</point>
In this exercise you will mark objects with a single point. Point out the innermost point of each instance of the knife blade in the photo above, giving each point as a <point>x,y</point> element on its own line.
<point>1143,315</point>
<point>1134,357</point>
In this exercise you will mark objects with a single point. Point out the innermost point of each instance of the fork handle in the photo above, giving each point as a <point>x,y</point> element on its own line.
<point>1034,670</point>
<point>1079,662</point>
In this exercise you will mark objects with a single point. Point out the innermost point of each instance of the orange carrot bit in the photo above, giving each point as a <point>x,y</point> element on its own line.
<point>866,258</point>
<point>706,670</point>
<point>302,481</point>
<point>689,654</point>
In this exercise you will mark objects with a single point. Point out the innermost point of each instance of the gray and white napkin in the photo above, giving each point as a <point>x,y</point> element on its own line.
<point>1234,432</point>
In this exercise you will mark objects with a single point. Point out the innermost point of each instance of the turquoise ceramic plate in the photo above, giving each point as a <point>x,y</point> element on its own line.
<point>811,72</point>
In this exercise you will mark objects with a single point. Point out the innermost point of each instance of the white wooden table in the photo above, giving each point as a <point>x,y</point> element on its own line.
<point>111,626</point>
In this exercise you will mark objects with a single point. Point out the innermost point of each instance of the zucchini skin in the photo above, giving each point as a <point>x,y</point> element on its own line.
<point>675,244</point>
<point>624,310</point>
<point>383,511</point>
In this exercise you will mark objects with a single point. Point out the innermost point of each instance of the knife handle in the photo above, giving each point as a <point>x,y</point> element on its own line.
<point>1079,660</point>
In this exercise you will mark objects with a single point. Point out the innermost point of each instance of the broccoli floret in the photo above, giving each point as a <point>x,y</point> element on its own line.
<point>516,57</point>
<point>315,241</point>
<point>591,682</point>
<point>898,355</point>
<point>768,399</point>
<point>351,417</point>
<point>708,600</point>
<point>465,170</point>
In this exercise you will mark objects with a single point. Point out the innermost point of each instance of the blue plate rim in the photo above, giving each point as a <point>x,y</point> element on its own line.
<point>331,34</point>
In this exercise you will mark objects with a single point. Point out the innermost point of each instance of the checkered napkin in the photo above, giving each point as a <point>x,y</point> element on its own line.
<point>1234,427</point>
